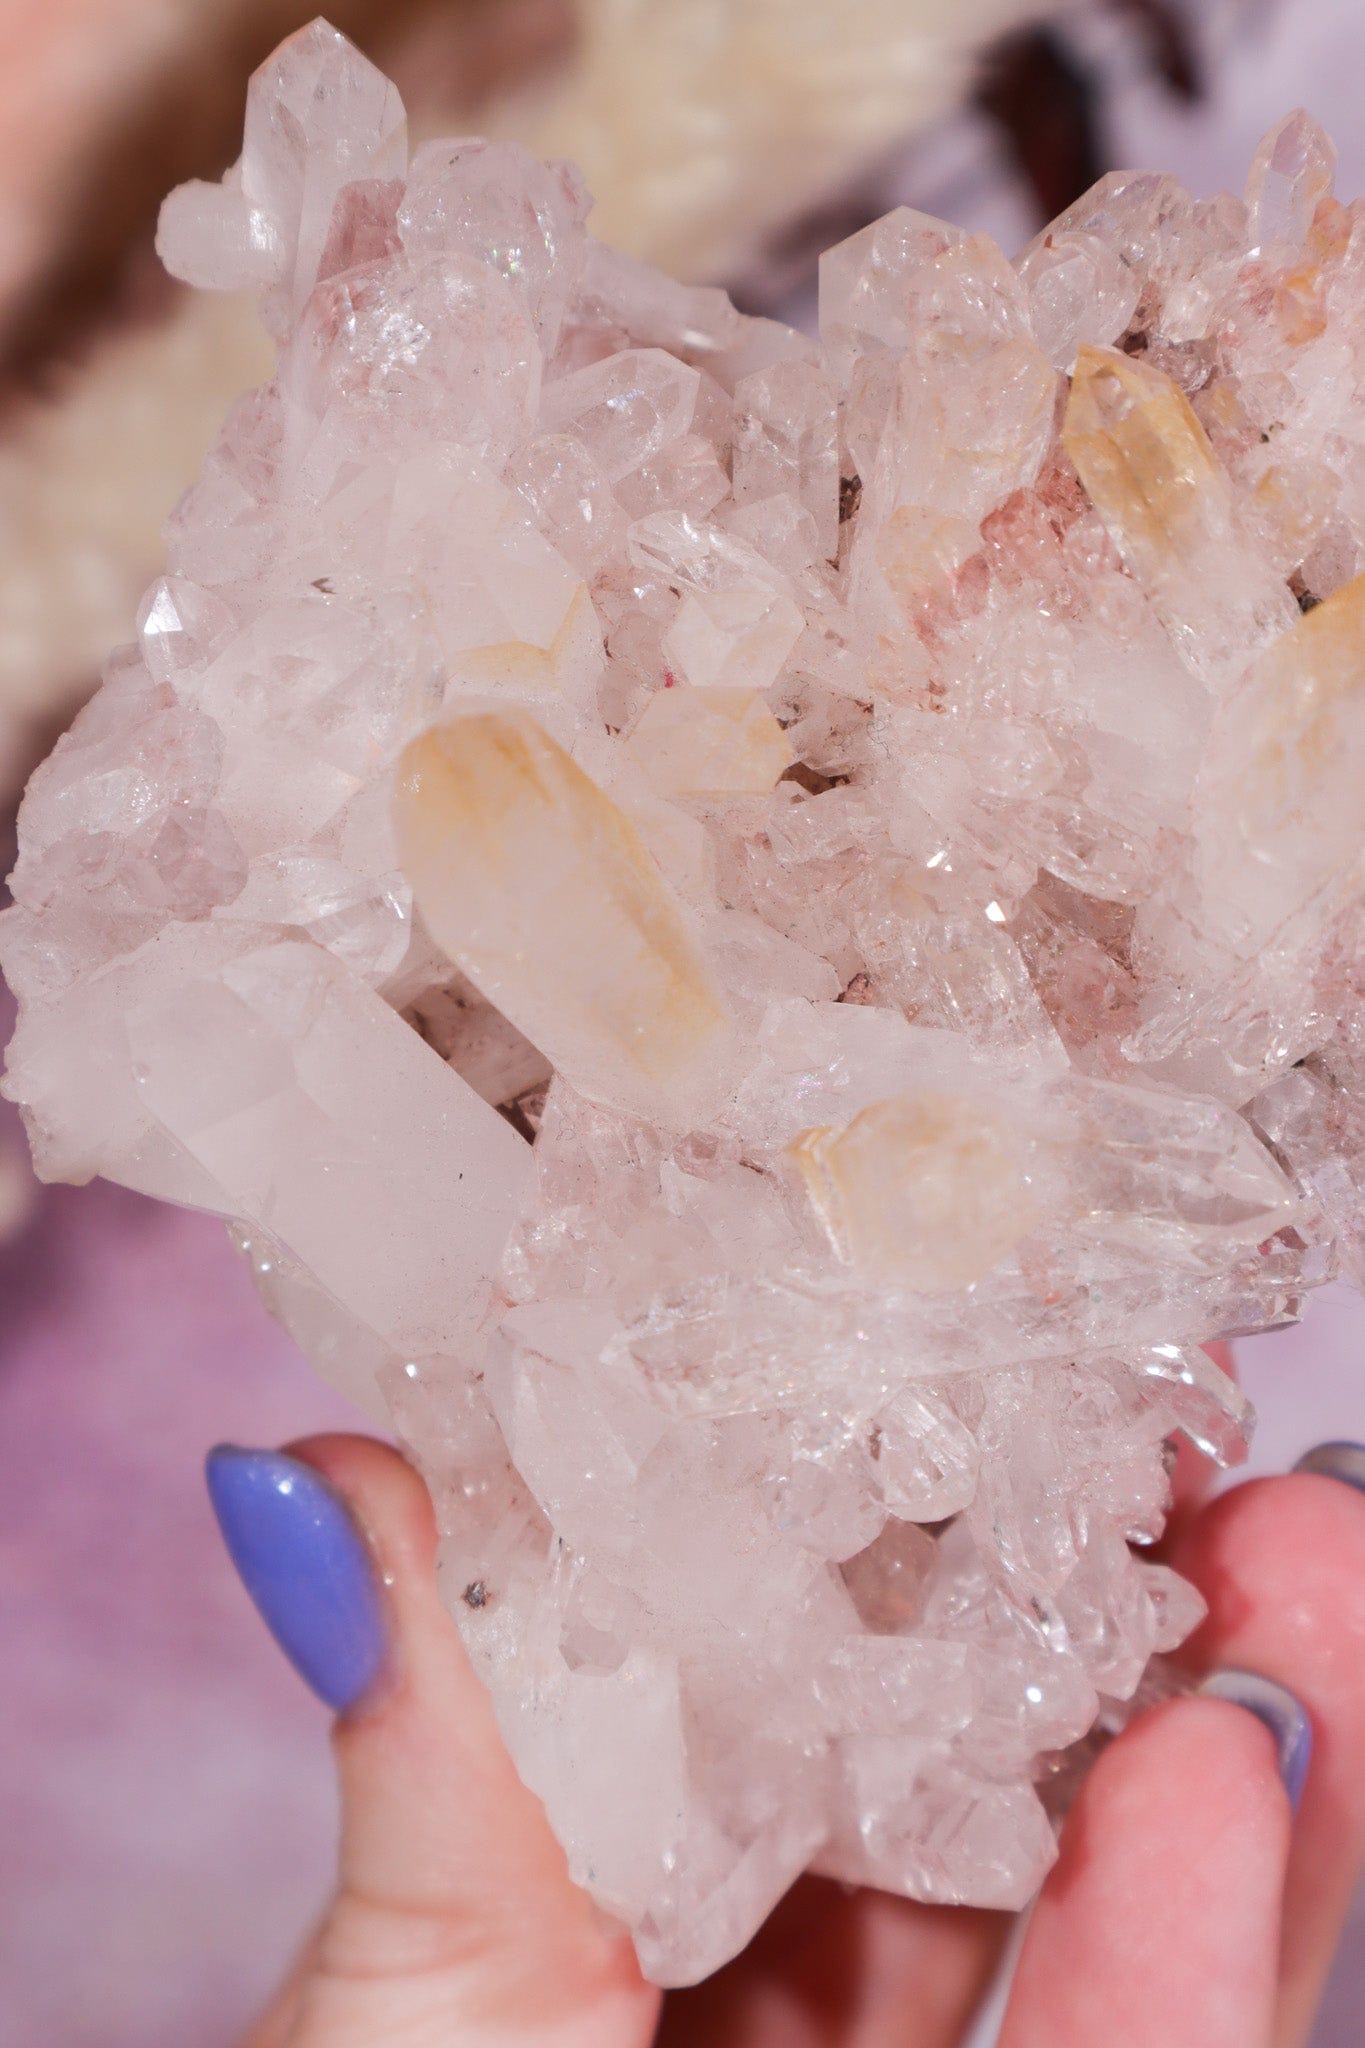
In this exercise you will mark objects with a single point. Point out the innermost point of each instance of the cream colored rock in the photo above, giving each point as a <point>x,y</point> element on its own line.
<point>1151,474</point>
<point>698,126</point>
<point>533,881</point>
<point>1280,807</point>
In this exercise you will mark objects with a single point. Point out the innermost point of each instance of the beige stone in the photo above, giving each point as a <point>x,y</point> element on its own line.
<point>537,885</point>
<point>924,1191</point>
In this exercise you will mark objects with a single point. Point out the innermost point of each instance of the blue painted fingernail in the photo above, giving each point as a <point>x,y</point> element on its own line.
<point>1278,1711</point>
<point>1342,1461</point>
<point>306,1566</point>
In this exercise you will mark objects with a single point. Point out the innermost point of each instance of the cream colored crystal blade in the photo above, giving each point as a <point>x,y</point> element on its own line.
<point>1152,476</point>
<point>538,886</point>
<point>1280,808</point>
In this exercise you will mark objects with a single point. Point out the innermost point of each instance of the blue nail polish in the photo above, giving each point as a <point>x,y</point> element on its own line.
<point>1343,1461</point>
<point>305,1565</point>
<point>1277,1710</point>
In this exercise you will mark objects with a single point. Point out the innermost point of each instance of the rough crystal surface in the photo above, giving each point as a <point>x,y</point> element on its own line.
<point>760,941</point>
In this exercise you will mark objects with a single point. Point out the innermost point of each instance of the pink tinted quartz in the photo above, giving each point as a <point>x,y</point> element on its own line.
<point>759,940</point>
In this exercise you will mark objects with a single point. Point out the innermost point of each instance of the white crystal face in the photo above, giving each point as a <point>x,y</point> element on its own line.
<point>760,941</point>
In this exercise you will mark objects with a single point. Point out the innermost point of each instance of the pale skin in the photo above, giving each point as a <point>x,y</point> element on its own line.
<point>1187,1909</point>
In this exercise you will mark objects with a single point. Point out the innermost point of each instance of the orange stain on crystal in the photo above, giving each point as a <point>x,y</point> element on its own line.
<point>520,664</point>
<point>1138,448</point>
<point>1294,699</point>
<point>928,1191</point>
<point>541,889</point>
<point>1300,312</point>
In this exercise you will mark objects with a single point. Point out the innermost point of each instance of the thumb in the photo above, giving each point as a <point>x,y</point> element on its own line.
<point>453,1908</point>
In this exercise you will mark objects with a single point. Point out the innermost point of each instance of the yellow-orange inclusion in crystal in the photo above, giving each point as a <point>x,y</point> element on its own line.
<point>1279,807</point>
<point>523,665</point>
<point>1294,756</point>
<point>1143,457</point>
<point>925,1191</point>
<point>1155,481</point>
<point>536,884</point>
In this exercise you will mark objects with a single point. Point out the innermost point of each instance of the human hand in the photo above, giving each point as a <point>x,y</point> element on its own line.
<point>1188,1905</point>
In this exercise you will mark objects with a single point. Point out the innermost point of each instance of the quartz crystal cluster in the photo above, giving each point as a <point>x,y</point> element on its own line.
<point>760,940</point>
<point>709,130</point>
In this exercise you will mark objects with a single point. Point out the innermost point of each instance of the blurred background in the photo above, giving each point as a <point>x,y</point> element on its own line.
<point>166,1813</point>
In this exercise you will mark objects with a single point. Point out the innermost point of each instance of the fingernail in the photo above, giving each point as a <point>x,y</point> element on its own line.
<point>1278,1711</point>
<point>306,1566</point>
<point>1342,1461</point>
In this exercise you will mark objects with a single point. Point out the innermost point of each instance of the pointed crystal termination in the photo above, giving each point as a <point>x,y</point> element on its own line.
<point>1280,816</point>
<point>1213,1411</point>
<point>1278,853</point>
<point>1152,476</point>
<point>928,1191</point>
<point>252,1075</point>
<point>1290,176</point>
<point>539,887</point>
<point>319,118</point>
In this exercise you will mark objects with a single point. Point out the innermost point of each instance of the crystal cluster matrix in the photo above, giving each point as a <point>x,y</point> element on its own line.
<point>760,941</point>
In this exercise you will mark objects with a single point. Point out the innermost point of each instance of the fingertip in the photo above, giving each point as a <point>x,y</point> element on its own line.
<point>1290,1549</point>
<point>433,1816</point>
<point>1279,1712</point>
<point>1204,1762</point>
<point>1168,1883</point>
<point>453,1896</point>
<point>1340,1459</point>
<point>306,1566</point>
<point>387,1496</point>
<point>1281,1563</point>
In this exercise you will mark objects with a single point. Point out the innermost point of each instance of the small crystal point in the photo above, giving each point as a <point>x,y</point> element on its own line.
<point>212,237</point>
<point>864,304</point>
<point>319,117</point>
<point>1139,450</point>
<point>1290,175</point>
<point>535,883</point>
